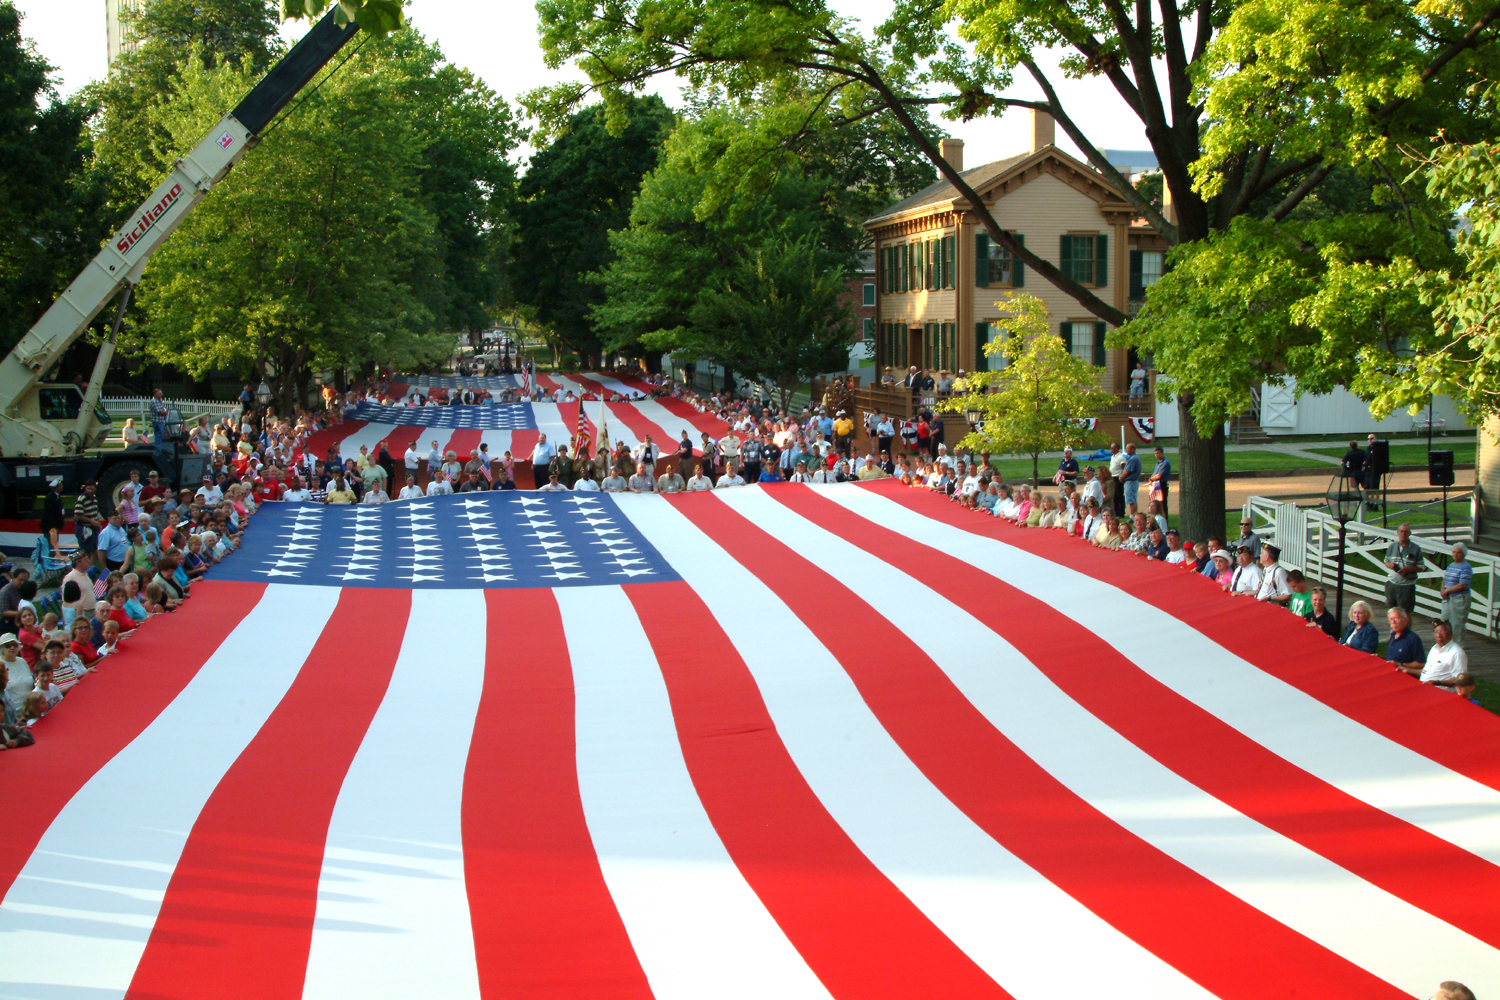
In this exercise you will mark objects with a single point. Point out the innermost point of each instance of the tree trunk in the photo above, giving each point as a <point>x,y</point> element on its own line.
<point>1200,492</point>
<point>1036,475</point>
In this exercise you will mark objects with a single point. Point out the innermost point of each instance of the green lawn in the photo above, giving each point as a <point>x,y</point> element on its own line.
<point>1414,454</point>
<point>1017,469</point>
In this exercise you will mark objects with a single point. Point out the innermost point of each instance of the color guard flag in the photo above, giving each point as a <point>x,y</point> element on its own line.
<point>850,741</point>
<point>583,438</point>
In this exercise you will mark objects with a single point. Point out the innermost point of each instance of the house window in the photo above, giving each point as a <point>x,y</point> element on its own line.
<point>869,290</point>
<point>1085,258</point>
<point>1085,341</point>
<point>1146,267</point>
<point>985,334</point>
<point>869,331</point>
<point>994,266</point>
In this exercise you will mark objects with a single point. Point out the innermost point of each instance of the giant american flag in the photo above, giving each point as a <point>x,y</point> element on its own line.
<point>793,741</point>
<point>517,427</point>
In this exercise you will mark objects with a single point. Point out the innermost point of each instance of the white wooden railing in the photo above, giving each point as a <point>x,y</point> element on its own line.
<point>1308,538</point>
<point>121,407</point>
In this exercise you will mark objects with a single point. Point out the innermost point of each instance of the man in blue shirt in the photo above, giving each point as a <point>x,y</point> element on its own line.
<point>1404,649</point>
<point>1161,476</point>
<point>1131,479</point>
<point>113,541</point>
<point>1456,595</point>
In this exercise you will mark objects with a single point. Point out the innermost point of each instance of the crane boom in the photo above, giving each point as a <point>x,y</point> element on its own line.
<point>118,266</point>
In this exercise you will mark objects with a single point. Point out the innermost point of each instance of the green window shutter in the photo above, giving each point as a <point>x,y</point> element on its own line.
<point>1099,354</point>
<point>1065,330</point>
<point>1101,260</point>
<point>931,264</point>
<point>950,261</point>
<point>1017,268</point>
<point>981,338</point>
<point>1137,288</point>
<point>935,273</point>
<point>950,337</point>
<point>906,267</point>
<point>982,260</point>
<point>1065,256</point>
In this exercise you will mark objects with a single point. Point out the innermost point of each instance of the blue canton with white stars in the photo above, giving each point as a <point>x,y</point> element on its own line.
<point>461,541</point>
<point>492,417</point>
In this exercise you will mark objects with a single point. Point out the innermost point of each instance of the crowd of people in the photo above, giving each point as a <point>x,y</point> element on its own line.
<point>137,563</point>
<point>142,559</point>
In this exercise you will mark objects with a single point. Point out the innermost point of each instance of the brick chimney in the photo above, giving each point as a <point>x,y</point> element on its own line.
<point>1043,130</point>
<point>952,150</point>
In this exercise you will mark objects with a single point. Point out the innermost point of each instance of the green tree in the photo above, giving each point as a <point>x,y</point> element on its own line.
<point>1456,353</point>
<point>319,250</point>
<point>1035,395</point>
<point>52,212</point>
<point>684,239</point>
<point>573,193</point>
<point>1250,105</point>
<point>132,150</point>
<point>780,317</point>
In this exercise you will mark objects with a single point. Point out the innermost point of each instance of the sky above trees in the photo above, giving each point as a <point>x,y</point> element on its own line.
<point>498,43</point>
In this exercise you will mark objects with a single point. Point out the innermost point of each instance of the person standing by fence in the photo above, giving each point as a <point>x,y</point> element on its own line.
<point>1456,594</point>
<point>1403,558</point>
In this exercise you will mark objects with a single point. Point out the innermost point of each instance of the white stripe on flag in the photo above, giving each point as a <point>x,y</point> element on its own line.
<point>549,420</point>
<point>614,385</point>
<point>697,927</point>
<point>1289,723</point>
<point>1006,916</point>
<point>369,435</point>
<point>670,423</point>
<point>499,442</point>
<point>1397,941</point>
<point>394,860</point>
<point>80,912</point>
<point>619,430</point>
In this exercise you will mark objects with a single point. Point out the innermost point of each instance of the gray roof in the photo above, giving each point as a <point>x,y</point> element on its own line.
<point>1131,160</point>
<point>935,194</point>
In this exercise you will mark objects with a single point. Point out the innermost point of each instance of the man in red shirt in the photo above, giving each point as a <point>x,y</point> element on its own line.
<point>153,488</point>
<point>268,486</point>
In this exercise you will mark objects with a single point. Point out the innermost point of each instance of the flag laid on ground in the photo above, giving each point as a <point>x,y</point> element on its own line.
<point>791,742</point>
<point>505,427</point>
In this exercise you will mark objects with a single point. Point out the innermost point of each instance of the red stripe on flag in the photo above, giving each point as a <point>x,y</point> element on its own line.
<point>400,439</point>
<point>319,442</point>
<point>700,422</point>
<point>544,922</point>
<point>1207,933</point>
<point>240,906</point>
<point>589,384</point>
<point>547,383</point>
<point>1388,852</point>
<point>858,933</point>
<point>635,382</point>
<point>1461,737</point>
<point>630,416</point>
<point>464,443</point>
<point>521,443</point>
<point>107,710</point>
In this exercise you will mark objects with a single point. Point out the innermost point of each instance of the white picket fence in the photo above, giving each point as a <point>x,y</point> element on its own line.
<point>121,407</point>
<point>1308,538</point>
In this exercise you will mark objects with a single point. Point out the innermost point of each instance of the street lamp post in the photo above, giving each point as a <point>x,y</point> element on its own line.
<point>1343,499</point>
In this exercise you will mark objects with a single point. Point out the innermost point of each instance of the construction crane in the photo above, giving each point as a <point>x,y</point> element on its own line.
<point>47,428</point>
